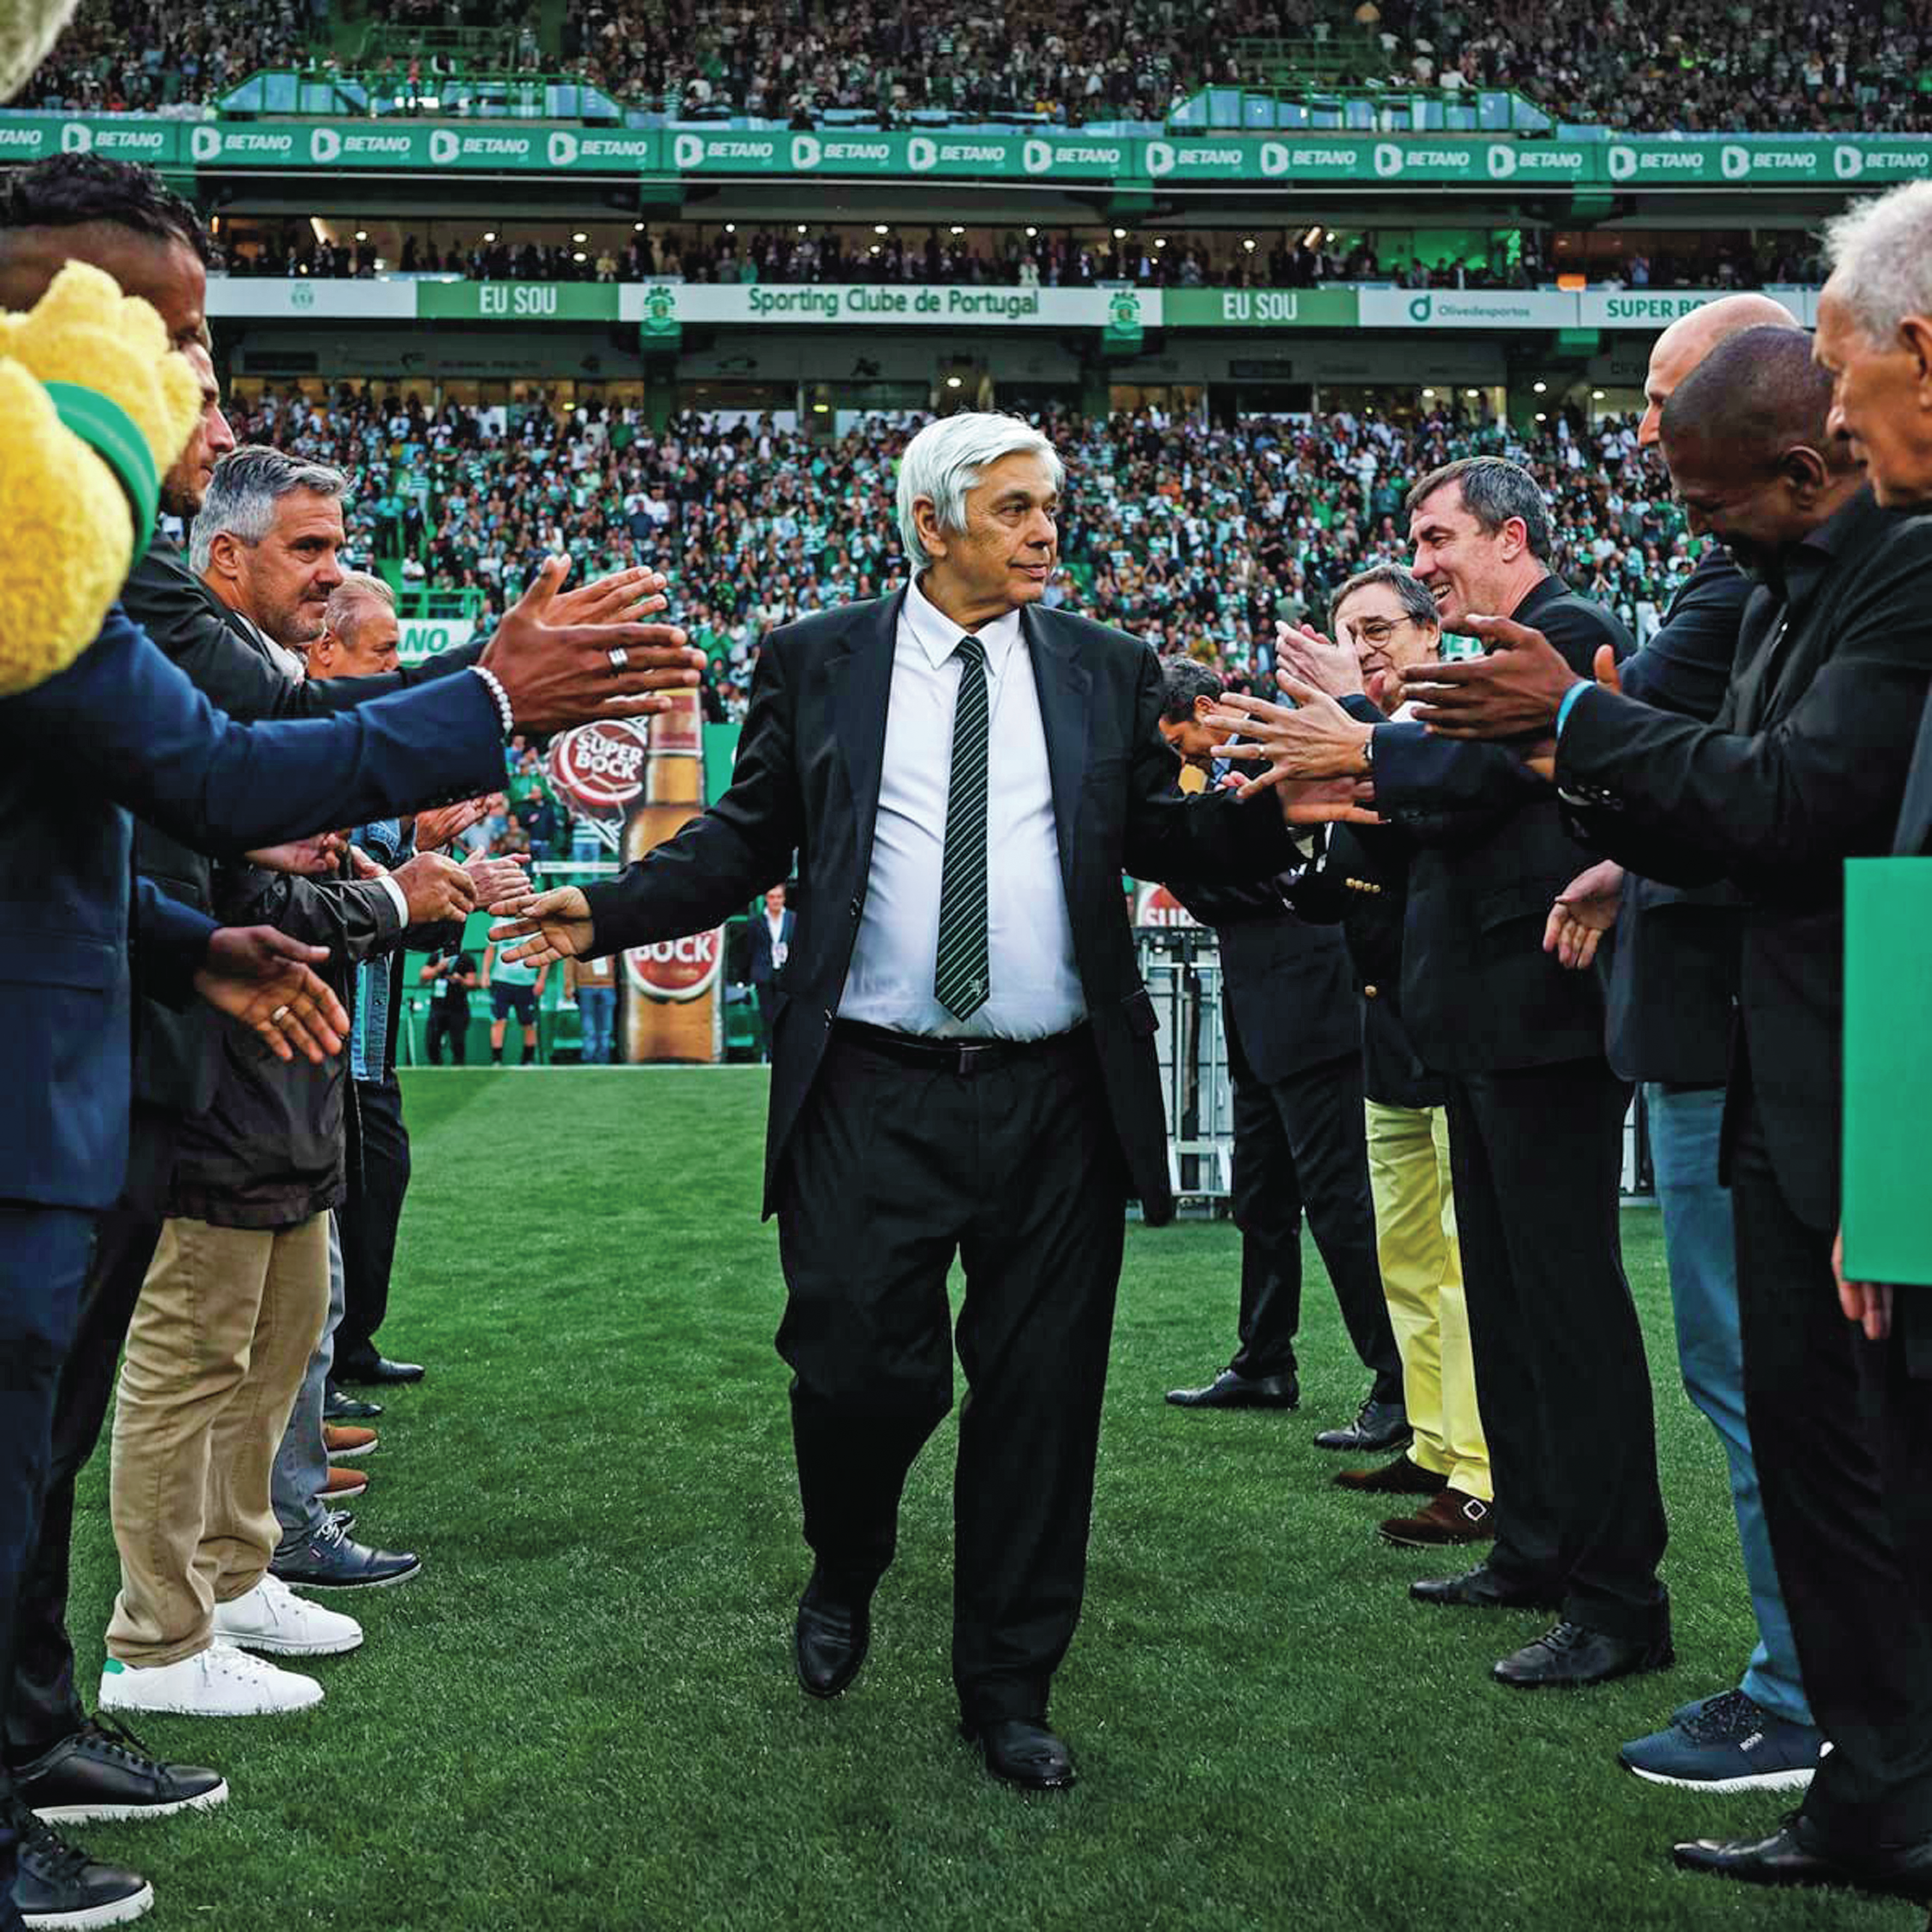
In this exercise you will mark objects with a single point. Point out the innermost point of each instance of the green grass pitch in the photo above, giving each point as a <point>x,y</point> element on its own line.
<point>581,1717</point>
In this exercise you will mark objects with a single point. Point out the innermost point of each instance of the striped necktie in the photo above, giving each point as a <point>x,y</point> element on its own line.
<point>960,974</point>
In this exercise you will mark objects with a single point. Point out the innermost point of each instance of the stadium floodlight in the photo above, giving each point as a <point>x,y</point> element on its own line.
<point>1472,393</point>
<point>489,234</point>
<point>1541,389</point>
<point>361,234</point>
<point>578,256</point>
<point>1120,235</point>
<point>1596,395</point>
<point>954,382</point>
<point>1542,415</point>
<point>1429,395</point>
<point>801,226</point>
<point>1248,243</point>
<point>881,228</point>
<point>730,228</point>
<point>1031,232</point>
<point>579,236</point>
<point>1160,240</point>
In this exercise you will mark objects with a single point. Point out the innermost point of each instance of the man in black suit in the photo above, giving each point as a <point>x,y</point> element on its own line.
<point>1535,1113</point>
<point>965,1060</point>
<point>1805,765</point>
<point>769,934</point>
<point>1295,1060</point>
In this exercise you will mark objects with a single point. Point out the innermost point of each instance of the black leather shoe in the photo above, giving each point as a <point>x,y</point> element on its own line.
<point>1378,1426</point>
<point>337,1407</point>
<point>830,1640</point>
<point>1402,1477</point>
<point>1791,1856</point>
<point>1568,1655</point>
<point>102,1774</point>
<point>378,1369</point>
<point>1478,1589</point>
<point>329,1560</point>
<point>1021,1752</point>
<point>1229,1391</point>
<point>59,1885</point>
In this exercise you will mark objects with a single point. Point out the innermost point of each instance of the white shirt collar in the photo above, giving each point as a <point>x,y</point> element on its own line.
<point>938,636</point>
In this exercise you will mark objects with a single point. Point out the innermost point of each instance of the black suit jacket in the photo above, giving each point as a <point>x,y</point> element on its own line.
<point>758,937</point>
<point>1673,969</point>
<point>176,1053</point>
<point>1804,767</point>
<point>1913,838</point>
<point>807,780</point>
<point>1488,853</point>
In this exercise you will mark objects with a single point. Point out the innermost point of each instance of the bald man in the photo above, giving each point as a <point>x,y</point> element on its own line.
<point>1673,975</point>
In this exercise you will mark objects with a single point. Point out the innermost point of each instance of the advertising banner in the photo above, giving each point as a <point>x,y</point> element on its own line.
<point>425,637</point>
<point>1258,308</point>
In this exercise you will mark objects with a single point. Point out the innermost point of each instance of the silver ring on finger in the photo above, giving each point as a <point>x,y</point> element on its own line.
<point>619,657</point>
<point>276,1017</point>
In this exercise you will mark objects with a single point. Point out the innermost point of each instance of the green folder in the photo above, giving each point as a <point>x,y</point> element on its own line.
<point>1888,1201</point>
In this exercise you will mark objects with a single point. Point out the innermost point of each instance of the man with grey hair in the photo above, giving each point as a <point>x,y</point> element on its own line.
<point>965,1062</point>
<point>360,635</point>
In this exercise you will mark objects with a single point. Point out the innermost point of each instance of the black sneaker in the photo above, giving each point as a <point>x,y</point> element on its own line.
<point>102,1773</point>
<point>329,1561</point>
<point>61,1889</point>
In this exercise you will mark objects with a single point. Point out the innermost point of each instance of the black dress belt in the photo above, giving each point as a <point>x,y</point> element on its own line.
<point>933,1055</point>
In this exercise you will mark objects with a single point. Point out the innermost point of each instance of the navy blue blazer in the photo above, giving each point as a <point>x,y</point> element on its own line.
<point>759,936</point>
<point>122,730</point>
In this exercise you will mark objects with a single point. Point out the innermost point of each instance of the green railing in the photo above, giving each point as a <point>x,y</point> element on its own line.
<point>491,91</point>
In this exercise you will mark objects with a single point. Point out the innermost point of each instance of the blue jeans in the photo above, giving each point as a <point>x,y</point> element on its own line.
<point>43,1258</point>
<point>597,1006</point>
<point>1685,1130</point>
<point>301,1463</point>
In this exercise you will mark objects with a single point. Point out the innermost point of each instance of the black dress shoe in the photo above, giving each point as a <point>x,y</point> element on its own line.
<point>1479,1589</point>
<point>337,1407</point>
<point>378,1369</point>
<point>331,1560</point>
<point>1402,1477</point>
<point>58,1884</point>
<point>1791,1856</point>
<point>102,1774</point>
<point>1022,1752</point>
<point>1229,1391</point>
<point>1378,1426</point>
<point>830,1640</point>
<point>1568,1655</point>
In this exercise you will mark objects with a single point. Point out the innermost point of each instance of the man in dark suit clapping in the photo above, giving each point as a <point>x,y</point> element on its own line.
<point>965,1061</point>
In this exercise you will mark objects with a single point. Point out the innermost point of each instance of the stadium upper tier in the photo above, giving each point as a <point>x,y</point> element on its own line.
<point>1772,66</point>
<point>1199,539</point>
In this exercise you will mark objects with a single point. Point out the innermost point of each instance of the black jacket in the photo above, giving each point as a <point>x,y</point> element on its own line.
<point>1804,767</point>
<point>1488,852</point>
<point>1363,885</point>
<point>1673,969</point>
<point>761,971</point>
<point>807,780</point>
<point>175,1060</point>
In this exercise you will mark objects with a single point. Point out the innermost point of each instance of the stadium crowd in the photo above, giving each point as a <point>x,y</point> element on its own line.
<point>1201,539</point>
<point>1784,67</point>
<point>964,1020</point>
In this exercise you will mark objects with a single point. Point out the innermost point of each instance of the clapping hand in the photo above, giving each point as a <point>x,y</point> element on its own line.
<point>1305,654</point>
<point>554,924</point>
<point>264,978</point>
<point>1312,738</point>
<point>1513,691</point>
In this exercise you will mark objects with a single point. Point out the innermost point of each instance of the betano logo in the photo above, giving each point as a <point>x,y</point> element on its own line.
<point>563,148</point>
<point>1160,158</point>
<point>1623,163</point>
<point>805,151</point>
<point>922,154</point>
<point>324,145</point>
<point>76,138</point>
<point>204,143</point>
<point>1734,161</point>
<point>687,150</point>
<point>1502,162</point>
<point>1037,157</point>
<point>1388,159</point>
<point>444,147</point>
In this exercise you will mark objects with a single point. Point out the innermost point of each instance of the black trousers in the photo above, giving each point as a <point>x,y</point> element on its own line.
<point>1843,1430</point>
<point>444,1025</point>
<point>369,1218</point>
<point>770,1000</point>
<point>1537,1155</point>
<point>1302,1144</point>
<point>892,1171</point>
<point>42,1705</point>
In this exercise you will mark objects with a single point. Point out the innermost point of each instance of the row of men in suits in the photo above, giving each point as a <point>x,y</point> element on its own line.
<point>1773,732</point>
<point>127,733</point>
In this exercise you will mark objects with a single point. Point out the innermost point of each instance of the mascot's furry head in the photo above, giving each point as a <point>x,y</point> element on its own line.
<point>28,30</point>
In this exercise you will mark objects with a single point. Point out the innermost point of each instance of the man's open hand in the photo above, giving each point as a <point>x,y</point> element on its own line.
<point>557,674</point>
<point>1586,909</point>
<point>264,978</point>
<point>1314,738</point>
<point>633,594</point>
<point>1514,692</point>
<point>499,879</point>
<point>437,829</point>
<point>551,925</point>
<point>437,888</point>
<point>1304,653</point>
<point>307,858</point>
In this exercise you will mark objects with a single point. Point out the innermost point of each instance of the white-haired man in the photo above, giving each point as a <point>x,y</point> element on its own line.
<point>964,1063</point>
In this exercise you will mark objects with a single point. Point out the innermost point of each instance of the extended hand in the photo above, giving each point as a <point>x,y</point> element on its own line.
<point>499,879</point>
<point>437,888</point>
<point>633,594</point>
<point>552,925</point>
<point>1867,1302</point>
<point>437,829</point>
<point>1313,738</point>
<point>1514,692</point>
<point>306,857</point>
<point>1302,651</point>
<point>262,977</point>
<point>555,673</point>
<point>1327,802</point>
<point>1586,909</point>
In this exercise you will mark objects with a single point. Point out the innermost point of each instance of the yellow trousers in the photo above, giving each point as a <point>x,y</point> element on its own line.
<point>1422,1276</point>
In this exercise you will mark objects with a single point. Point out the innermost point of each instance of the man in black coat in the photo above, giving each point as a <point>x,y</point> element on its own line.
<point>1294,1060</point>
<point>965,1060</point>
<point>1805,765</point>
<point>768,935</point>
<point>1536,1115</point>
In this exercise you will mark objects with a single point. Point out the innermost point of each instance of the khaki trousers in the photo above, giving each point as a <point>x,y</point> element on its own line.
<point>226,1322</point>
<point>1422,1276</point>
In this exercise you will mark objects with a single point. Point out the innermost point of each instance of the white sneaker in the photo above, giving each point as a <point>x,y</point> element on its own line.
<point>220,1681</point>
<point>272,1618</point>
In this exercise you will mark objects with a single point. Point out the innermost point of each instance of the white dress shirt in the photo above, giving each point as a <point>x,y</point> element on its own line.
<point>1036,984</point>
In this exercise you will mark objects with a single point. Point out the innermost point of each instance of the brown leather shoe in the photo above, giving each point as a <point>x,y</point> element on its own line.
<point>1453,1517</point>
<point>342,1441</point>
<point>1402,1477</point>
<point>341,1483</point>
